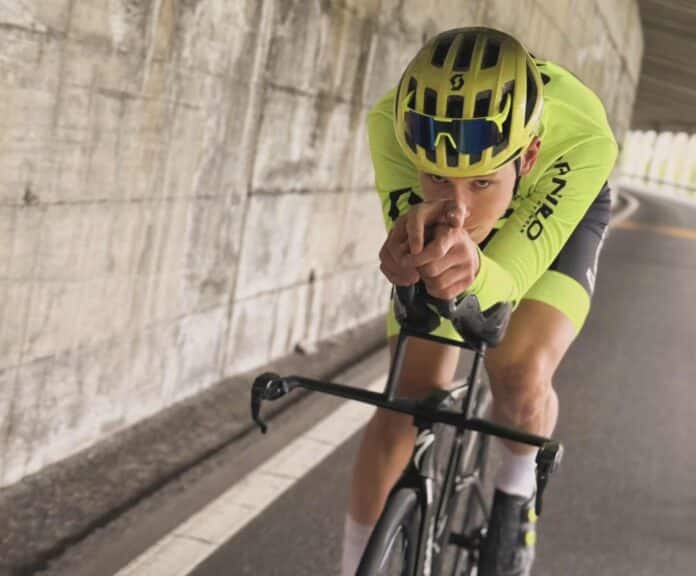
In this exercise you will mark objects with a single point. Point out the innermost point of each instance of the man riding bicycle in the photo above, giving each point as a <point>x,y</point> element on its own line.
<point>491,166</point>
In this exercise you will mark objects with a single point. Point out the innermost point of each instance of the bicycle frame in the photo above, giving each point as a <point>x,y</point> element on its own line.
<point>419,474</point>
<point>420,471</point>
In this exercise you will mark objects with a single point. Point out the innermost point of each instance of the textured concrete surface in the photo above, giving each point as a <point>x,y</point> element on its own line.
<point>186,191</point>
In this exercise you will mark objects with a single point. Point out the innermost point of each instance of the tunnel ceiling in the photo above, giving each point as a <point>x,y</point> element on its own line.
<point>666,98</point>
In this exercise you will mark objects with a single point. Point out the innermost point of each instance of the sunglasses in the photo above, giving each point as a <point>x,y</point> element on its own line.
<point>471,136</point>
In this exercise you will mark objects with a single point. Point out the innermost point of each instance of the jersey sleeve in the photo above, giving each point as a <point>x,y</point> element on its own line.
<point>529,241</point>
<point>396,179</point>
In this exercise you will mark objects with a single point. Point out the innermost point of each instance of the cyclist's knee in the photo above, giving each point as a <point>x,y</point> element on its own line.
<point>391,429</point>
<point>426,367</point>
<point>522,388</point>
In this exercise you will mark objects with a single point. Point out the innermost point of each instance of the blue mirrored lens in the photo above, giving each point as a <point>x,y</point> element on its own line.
<point>471,136</point>
<point>421,129</point>
<point>474,136</point>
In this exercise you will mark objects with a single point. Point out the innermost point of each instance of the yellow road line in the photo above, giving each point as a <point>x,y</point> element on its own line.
<point>688,233</point>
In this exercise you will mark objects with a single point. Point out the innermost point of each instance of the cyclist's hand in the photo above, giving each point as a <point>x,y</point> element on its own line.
<point>392,253</point>
<point>409,233</point>
<point>448,264</point>
<point>421,218</point>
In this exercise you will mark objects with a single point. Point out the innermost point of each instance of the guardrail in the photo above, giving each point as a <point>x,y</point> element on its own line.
<point>642,178</point>
<point>658,187</point>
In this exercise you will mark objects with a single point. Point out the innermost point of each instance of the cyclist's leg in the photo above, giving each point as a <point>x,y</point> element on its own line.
<point>388,439</point>
<point>521,371</point>
<point>542,328</point>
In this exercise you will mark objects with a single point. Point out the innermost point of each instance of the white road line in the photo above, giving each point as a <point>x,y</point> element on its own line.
<point>178,553</point>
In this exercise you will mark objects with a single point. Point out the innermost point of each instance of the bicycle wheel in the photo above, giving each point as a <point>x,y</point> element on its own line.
<point>464,510</point>
<point>391,550</point>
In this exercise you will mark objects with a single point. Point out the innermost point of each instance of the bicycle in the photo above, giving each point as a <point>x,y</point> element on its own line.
<point>443,482</point>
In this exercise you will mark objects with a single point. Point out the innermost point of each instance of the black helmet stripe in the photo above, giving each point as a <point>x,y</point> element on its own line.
<point>442,49</point>
<point>455,109</point>
<point>430,108</point>
<point>490,55</point>
<point>430,104</point>
<point>509,88</point>
<point>455,106</point>
<point>464,52</point>
<point>483,103</point>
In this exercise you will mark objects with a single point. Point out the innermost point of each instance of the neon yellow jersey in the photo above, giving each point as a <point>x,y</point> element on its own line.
<point>578,152</point>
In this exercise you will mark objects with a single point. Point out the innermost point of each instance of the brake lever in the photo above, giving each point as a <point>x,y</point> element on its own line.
<point>267,386</point>
<point>548,460</point>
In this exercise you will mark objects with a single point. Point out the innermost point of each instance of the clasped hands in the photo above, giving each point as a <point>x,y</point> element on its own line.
<point>430,243</point>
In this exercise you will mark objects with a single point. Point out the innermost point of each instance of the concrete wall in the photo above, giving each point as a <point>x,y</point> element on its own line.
<point>186,192</point>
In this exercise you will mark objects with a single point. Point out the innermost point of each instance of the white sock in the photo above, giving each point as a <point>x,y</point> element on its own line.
<point>355,537</point>
<point>517,473</point>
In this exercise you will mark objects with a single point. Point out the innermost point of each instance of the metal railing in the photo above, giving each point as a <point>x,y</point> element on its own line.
<point>647,180</point>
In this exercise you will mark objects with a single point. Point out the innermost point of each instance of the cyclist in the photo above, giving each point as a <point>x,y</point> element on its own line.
<point>491,166</point>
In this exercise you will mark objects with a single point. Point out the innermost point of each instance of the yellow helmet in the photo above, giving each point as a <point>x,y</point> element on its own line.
<point>468,103</point>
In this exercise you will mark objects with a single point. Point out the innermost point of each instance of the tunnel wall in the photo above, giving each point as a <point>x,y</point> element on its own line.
<point>186,191</point>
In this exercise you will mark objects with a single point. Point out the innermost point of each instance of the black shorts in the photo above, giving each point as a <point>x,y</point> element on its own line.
<point>579,256</point>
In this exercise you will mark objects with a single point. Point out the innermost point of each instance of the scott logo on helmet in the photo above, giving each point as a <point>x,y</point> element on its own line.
<point>535,225</point>
<point>457,81</point>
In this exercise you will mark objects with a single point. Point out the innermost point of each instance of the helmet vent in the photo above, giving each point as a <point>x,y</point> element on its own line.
<point>412,89</point>
<point>455,107</point>
<point>452,155</point>
<point>464,53</point>
<point>430,104</point>
<point>507,89</point>
<point>532,95</point>
<point>474,158</point>
<point>430,108</point>
<point>490,55</point>
<point>483,103</point>
<point>442,49</point>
